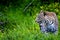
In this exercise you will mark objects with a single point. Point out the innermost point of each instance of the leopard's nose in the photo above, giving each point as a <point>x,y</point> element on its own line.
<point>41,25</point>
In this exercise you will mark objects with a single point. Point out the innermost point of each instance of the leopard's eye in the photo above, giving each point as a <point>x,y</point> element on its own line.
<point>51,22</point>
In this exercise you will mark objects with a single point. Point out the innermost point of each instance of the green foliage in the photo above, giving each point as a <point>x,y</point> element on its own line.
<point>21,25</point>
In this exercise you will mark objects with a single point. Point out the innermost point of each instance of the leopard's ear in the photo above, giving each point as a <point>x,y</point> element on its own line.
<point>41,11</point>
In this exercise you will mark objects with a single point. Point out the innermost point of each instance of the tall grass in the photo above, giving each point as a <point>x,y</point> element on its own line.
<point>23,26</point>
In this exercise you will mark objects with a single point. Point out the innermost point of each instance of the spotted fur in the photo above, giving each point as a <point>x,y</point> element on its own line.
<point>47,21</point>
